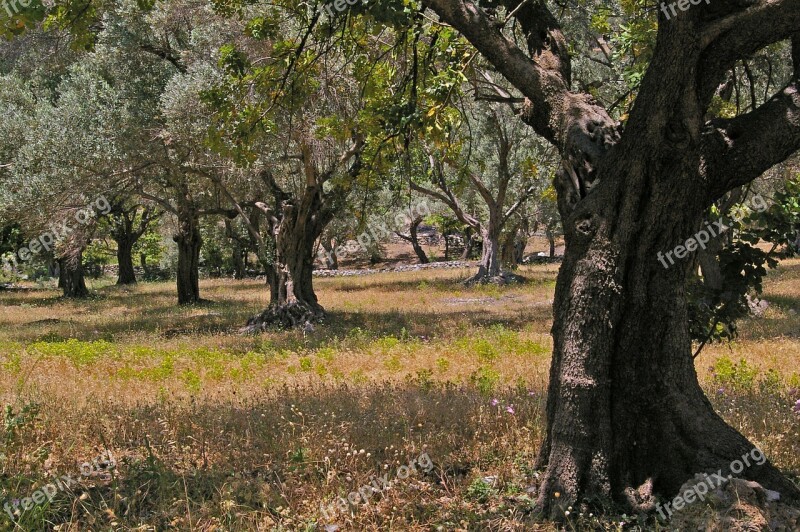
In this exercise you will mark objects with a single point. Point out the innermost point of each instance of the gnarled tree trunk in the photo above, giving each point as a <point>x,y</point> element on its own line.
<point>293,301</point>
<point>238,251</point>
<point>626,417</point>
<point>489,266</point>
<point>331,259</point>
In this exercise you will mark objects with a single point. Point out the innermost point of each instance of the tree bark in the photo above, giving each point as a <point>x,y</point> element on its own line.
<point>125,233</point>
<point>513,248</point>
<point>423,258</point>
<point>238,261</point>
<point>626,415</point>
<point>551,240</point>
<point>489,266</point>
<point>71,277</point>
<point>237,253</point>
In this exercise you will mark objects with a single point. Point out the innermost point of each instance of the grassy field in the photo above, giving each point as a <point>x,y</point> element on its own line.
<point>212,430</point>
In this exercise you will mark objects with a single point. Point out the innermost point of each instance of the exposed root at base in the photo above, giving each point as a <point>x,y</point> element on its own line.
<point>504,278</point>
<point>287,316</point>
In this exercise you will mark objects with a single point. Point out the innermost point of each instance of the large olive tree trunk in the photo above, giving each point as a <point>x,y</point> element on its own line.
<point>626,416</point>
<point>295,223</point>
<point>293,301</point>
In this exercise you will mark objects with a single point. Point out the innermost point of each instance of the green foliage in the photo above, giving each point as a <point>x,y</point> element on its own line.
<point>80,353</point>
<point>481,491</point>
<point>13,422</point>
<point>713,313</point>
<point>780,223</point>
<point>739,376</point>
<point>485,379</point>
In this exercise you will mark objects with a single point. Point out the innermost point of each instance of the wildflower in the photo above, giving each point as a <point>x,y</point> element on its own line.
<point>495,402</point>
<point>510,409</point>
<point>721,391</point>
<point>797,407</point>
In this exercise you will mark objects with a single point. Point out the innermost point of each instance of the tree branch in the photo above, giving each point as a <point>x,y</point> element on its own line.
<point>740,34</point>
<point>738,150</point>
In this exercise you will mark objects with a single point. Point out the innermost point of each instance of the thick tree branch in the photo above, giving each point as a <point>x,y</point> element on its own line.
<point>580,129</point>
<point>545,85</point>
<point>740,34</point>
<point>738,150</point>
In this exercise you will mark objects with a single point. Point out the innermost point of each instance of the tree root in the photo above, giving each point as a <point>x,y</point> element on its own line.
<point>285,316</point>
<point>504,278</point>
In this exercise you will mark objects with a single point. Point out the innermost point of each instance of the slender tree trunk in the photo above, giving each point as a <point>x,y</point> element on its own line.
<point>237,255</point>
<point>331,259</point>
<point>238,260</point>
<point>551,239</point>
<point>189,243</point>
<point>143,263</point>
<point>423,258</point>
<point>469,243</point>
<point>413,238</point>
<point>71,277</point>
<point>490,254</point>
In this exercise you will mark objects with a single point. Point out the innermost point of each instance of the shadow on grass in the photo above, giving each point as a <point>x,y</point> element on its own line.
<point>179,458</point>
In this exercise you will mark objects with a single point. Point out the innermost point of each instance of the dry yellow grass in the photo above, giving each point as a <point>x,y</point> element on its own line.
<point>218,431</point>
